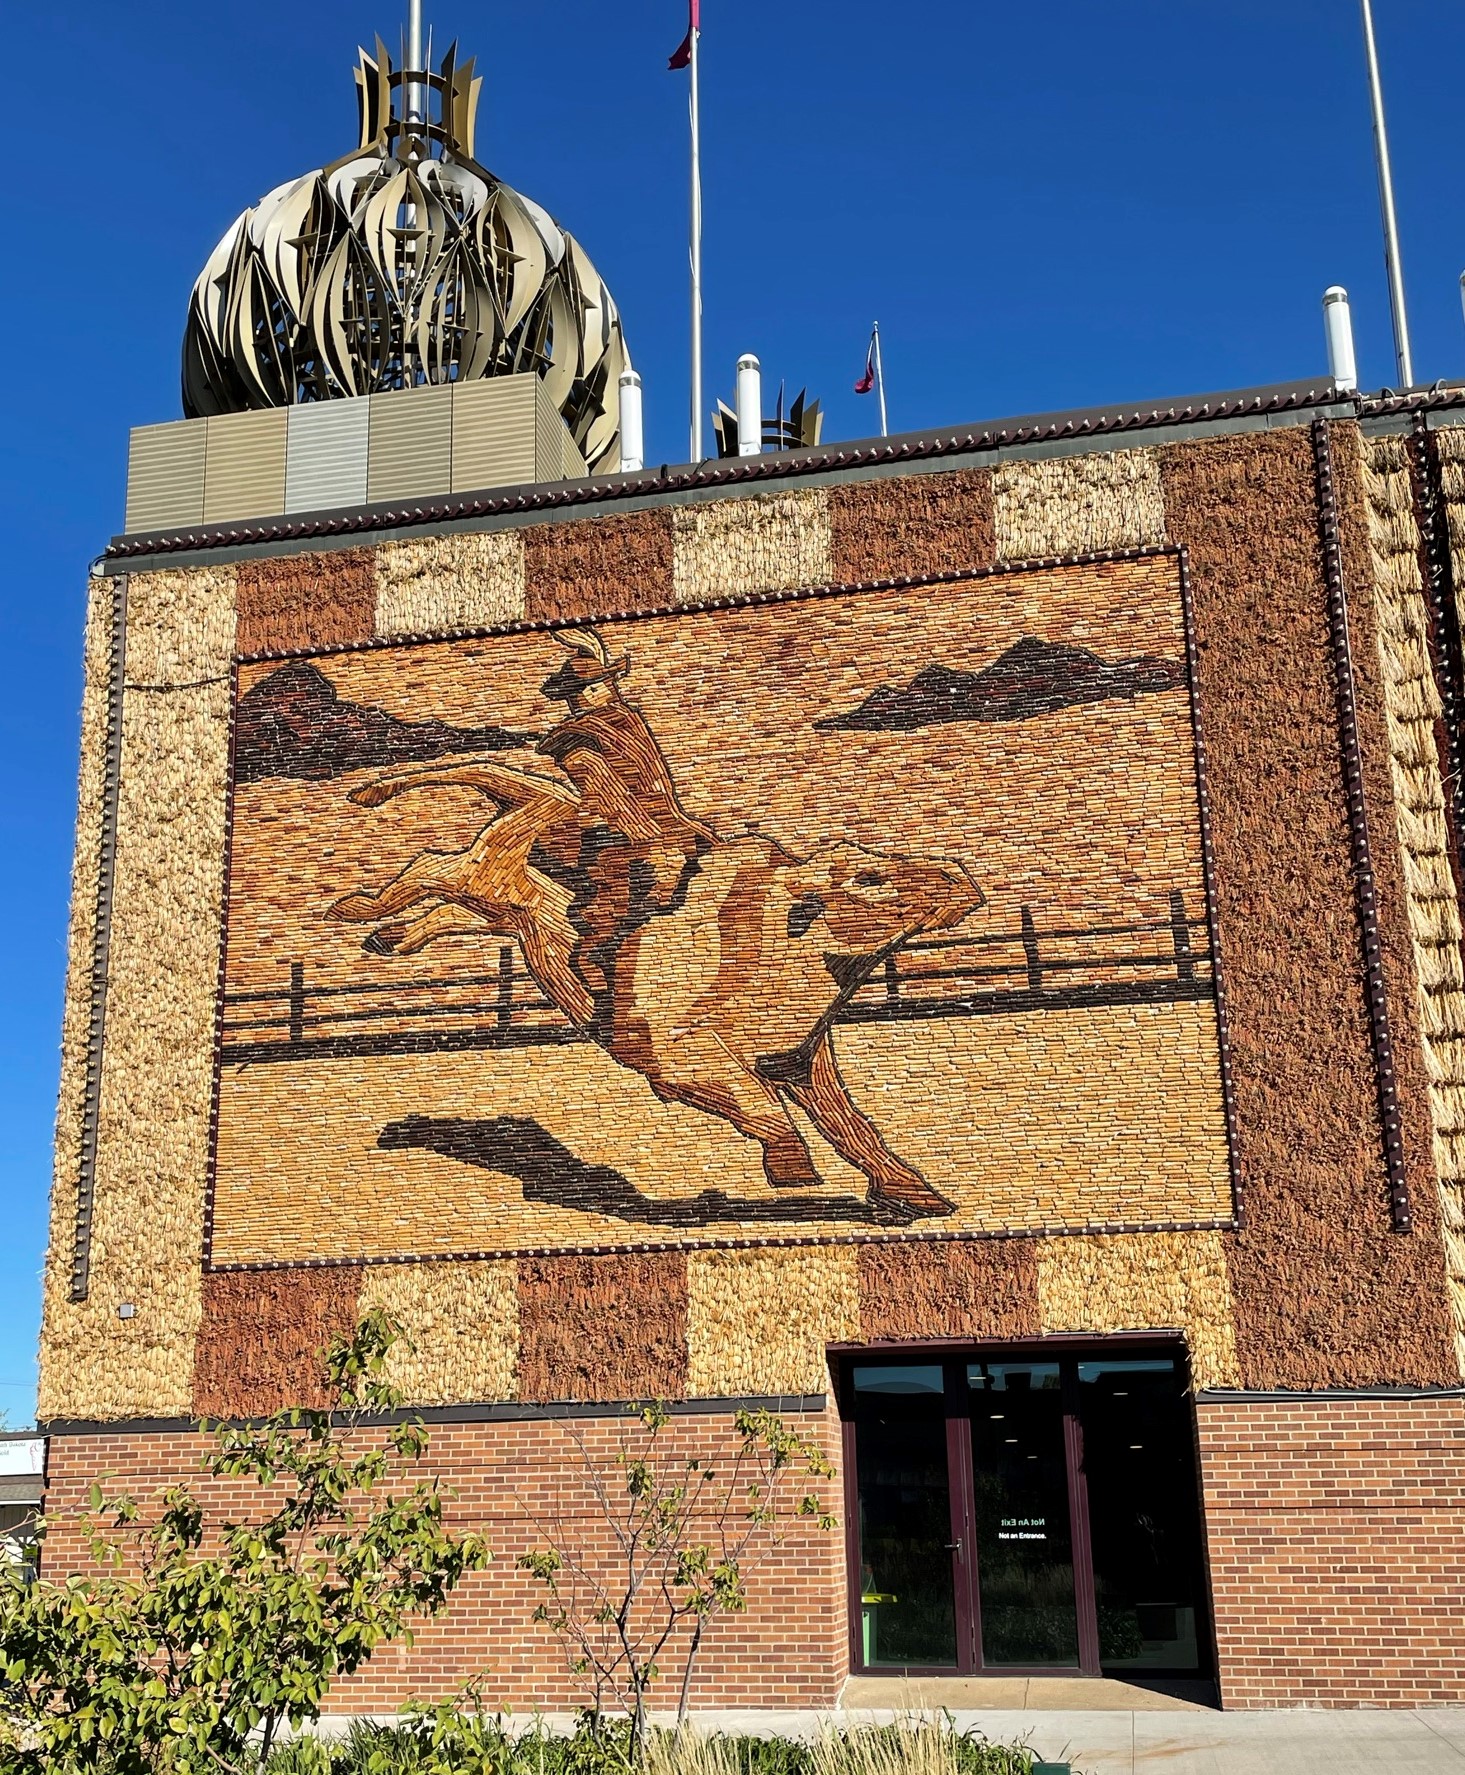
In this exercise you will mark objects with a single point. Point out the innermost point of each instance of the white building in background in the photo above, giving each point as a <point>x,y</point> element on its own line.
<point>22,1480</point>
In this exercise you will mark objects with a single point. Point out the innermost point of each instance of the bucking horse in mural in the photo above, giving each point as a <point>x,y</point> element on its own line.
<point>712,966</point>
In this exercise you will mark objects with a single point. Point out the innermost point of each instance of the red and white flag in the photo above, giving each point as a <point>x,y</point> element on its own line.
<point>867,381</point>
<point>874,376</point>
<point>683,55</point>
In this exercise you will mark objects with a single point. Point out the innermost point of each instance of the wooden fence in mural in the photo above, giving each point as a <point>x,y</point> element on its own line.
<point>1033,968</point>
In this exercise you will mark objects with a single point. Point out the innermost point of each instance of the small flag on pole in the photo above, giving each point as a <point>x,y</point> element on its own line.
<point>683,56</point>
<point>867,381</point>
<point>874,376</point>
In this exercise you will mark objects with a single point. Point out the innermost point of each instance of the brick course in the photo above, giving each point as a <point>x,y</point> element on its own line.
<point>1336,1530</point>
<point>1335,1526</point>
<point>509,1479</point>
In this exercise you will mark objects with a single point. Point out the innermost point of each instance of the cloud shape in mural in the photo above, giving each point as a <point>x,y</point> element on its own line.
<point>294,724</point>
<point>1033,677</point>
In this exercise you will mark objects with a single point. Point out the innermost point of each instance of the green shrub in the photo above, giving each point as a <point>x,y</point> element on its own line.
<point>445,1742</point>
<point>687,1537</point>
<point>189,1648</point>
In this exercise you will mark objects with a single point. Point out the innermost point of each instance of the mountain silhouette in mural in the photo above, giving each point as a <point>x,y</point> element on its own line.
<point>293,724</point>
<point>1033,677</point>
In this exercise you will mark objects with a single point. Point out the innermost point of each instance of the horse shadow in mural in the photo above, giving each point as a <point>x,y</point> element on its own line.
<point>551,1173</point>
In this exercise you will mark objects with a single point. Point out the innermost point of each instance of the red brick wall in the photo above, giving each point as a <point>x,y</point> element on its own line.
<point>790,1647</point>
<point>1336,1531</point>
<point>1337,1546</point>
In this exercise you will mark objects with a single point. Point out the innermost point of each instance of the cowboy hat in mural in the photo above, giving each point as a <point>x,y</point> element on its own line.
<point>712,966</point>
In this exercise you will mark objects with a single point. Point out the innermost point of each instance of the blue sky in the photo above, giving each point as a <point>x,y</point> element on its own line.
<point>1044,205</point>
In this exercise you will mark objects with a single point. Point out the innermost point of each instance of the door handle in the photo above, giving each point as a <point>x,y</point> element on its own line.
<point>953,1547</point>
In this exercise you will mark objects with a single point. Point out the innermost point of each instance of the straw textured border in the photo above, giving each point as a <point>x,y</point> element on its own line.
<point>128,1345</point>
<point>1124,1284</point>
<point>1412,707</point>
<point>462,1325</point>
<point>1445,452</point>
<point>81,1255</point>
<point>761,1321</point>
<point>1376,997</point>
<point>1446,644</point>
<point>1077,503</point>
<point>428,582</point>
<point>727,549</point>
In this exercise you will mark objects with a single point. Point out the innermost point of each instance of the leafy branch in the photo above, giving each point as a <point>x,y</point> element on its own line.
<point>191,1638</point>
<point>684,1537</point>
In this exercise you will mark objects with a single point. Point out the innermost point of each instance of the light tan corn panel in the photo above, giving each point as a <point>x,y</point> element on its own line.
<point>1076,504</point>
<point>426,584</point>
<point>165,469</point>
<point>410,446</point>
<point>494,442</point>
<point>244,471</point>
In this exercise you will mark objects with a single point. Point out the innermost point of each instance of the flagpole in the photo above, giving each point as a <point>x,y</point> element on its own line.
<point>696,253</point>
<point>880,383</point>
<point>1402,356</point>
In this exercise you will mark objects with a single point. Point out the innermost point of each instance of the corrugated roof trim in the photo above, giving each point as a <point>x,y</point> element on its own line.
<point>1291,397</point>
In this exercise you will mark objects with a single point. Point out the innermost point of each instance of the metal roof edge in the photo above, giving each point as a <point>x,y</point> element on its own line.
<point>1322,1395</point>
<point>1264,405</point>
<point>496,1412</point>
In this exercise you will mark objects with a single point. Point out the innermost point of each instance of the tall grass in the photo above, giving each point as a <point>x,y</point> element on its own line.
<point>911,1745</point>
<point>444,1744</point>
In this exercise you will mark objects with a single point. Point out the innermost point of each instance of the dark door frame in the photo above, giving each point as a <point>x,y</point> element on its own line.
<point>1068,1349</point>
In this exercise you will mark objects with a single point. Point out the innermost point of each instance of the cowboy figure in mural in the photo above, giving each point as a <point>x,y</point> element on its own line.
<point>634,844</point>
<point>714,967</point>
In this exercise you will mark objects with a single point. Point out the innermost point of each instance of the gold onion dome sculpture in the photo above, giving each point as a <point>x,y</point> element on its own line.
<point>405,263</point>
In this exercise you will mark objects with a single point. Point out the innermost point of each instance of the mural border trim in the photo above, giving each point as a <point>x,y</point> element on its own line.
<point>965,575</point>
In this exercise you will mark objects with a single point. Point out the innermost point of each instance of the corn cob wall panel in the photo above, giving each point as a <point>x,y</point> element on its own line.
<point>939,1046</point>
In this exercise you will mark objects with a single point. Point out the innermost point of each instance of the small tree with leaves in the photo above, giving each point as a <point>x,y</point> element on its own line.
<point>686,1536</point>
<point>190,1647</point>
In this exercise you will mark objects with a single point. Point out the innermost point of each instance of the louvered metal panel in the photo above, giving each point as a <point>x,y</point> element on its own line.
<point>325,455</point>
<point>494,433</point>
<point>548,425</point>
<point>165,468</point>
<point>572,463</point>
<point>244,472</point>
<point>410,447</point>
<point>558,459</point>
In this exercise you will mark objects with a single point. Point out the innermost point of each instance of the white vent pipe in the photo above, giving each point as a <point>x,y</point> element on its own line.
<point>633,443</point>
<point>750,406</point>
<point>1338,322</point>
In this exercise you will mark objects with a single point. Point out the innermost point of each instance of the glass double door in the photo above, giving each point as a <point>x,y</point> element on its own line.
<point>1013,1514</point>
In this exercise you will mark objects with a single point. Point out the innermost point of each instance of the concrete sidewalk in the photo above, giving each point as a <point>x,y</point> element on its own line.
<point>1186,1739</point>
<point>1114,1728</point>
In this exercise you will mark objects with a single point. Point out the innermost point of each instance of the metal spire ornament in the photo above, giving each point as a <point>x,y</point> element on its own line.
<point>404,263</point>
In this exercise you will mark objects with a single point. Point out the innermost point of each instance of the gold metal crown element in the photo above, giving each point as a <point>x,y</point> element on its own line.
<point>404,263</point>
